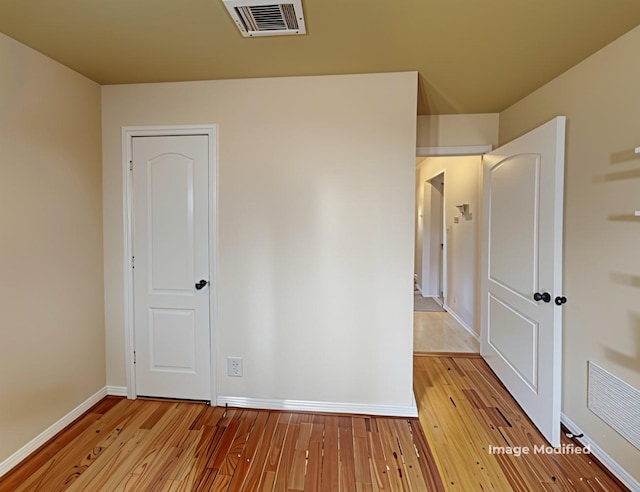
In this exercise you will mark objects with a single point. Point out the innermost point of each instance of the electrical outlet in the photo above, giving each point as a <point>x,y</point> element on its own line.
<point>234,367</point>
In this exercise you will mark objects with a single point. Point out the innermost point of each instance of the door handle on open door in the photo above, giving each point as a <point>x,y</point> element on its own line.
<point>201,284</point>
<point>545,296</point>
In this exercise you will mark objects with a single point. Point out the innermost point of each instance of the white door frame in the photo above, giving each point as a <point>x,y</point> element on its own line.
<point>128,133</point>
<point>430,287</point>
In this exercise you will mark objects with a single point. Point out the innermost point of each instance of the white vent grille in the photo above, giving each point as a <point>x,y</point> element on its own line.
<point>615,402</point>
<point>266,18</point>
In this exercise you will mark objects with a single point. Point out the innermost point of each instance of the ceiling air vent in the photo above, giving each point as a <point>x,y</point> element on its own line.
<point>266,18</point>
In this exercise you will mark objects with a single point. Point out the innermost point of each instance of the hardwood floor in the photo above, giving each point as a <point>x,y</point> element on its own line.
<point>466,414</point>
<point>147,445</point>
<point>176,446</point>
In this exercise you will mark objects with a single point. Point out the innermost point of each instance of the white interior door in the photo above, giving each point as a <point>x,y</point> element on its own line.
<point>521,331</point>
<point>171,266</point>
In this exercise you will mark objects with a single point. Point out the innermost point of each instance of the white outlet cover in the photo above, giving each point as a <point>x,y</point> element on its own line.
<point>234,367</point>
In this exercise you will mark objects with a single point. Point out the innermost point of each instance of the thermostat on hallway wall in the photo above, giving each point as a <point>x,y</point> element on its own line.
<point>637,213</point>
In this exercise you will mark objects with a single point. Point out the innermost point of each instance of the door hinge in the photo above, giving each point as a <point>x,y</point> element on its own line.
<point>133,262</point>
<point>130,165</point>
<point>134,356</point>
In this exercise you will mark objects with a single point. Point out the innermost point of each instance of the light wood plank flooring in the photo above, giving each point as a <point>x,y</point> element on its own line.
<point>147,445</point>
<point>177,446</point>
<point>440,332</point>
<point>464,410</point>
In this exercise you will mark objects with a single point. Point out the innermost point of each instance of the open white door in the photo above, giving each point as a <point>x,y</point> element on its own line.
<point>521,279</point>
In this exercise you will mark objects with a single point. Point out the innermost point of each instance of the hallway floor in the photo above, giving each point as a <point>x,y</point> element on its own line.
<point>440,332</point>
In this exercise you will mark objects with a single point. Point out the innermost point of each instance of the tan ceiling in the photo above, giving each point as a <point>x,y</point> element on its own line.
<point>473,56</point>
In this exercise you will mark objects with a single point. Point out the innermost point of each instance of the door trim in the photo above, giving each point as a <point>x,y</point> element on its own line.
<point>453,150</point>
<point>128,133</point>
<point>429,285</point>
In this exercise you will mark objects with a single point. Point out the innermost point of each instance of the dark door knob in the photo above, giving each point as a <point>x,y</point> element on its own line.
<point>545,296</point>
<point>201,284</point>
<point>560,300</point>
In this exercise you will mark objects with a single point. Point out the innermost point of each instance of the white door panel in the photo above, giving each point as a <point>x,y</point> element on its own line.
<point>171,222</point>
<point>513,237</point>
<point>172,340</point>
<point>171,250</point>
<point>514,337</point>
<point>522,256</point>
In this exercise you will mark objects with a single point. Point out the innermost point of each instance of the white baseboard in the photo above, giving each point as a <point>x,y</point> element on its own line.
<point>320,406</point>
<point>51,431</point>
<point>603,457</point>
<point>462,323</point>
<point>117,390</point>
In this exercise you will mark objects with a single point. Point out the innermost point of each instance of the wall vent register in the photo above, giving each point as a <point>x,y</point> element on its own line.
<point>616,402</point>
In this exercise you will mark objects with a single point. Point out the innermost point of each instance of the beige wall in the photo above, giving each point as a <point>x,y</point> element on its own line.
<point>51,294</point>
<point>450,130</point>
<point>315,229</point>
<point>601,100</point>
<point>461,183</point>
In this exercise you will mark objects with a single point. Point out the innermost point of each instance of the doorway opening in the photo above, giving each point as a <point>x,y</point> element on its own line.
<point>169,228</point>
<point>447,247</point>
